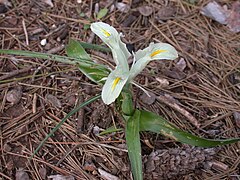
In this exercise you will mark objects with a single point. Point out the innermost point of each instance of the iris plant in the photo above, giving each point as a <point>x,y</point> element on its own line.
<point>122,74</point>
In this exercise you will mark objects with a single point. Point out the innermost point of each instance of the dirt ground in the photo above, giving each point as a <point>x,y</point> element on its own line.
<point>35,94</point>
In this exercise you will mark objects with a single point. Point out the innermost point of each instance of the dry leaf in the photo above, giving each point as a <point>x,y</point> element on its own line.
<point>61,177</point>
<point>14,96</point>
<point>6,3</point>
<point>165,13</point>
<point>216,12</point>
<point>48,2</point>
<point>236,116</point>
<point>163,82</point>
<point>145,10</point>
<point>43,172</point>
<point>107,175</point>
<point>181,64</point>
<point>53,100</point>
<point>123,7</point>
<point>234,18</point>
<point>21,175</point>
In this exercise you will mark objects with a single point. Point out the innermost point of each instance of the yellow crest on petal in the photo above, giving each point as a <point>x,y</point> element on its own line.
<point>106,33</point>
<point>115,82</point>
<point>154,53</point>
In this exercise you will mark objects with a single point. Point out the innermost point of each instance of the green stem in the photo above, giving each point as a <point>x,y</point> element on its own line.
<point>127,101</point>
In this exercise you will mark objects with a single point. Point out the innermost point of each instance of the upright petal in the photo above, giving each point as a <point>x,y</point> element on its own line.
<point>153,52</point>
<point>114,85</point>
<point>107,33</point>
<point>112,38</point>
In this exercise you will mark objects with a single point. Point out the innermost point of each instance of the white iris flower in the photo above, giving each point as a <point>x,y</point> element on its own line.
<point>122,74</point>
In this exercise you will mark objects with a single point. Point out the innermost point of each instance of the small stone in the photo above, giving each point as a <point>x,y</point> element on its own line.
<point>43,42</point>
<point>96,130</point>
<point>148,98</point>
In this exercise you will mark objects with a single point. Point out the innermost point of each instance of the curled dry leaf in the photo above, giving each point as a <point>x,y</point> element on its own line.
<point>122,7</point>
<point>145,10</point>
<point>181,64</point>
<point>48,2</point>
<point>165,13</point>
<point>234,18</point>
<point>53,100</point>
<point>14,95</point>
<point>61,177</point>
<point>107,175</point>
<point>163,82</point>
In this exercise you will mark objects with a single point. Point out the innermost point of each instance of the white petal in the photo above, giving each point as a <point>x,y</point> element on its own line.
<point>153,52</point>
<point>111,37</point>
<point>169,52</point>
<point>107,33</point>
<point>114,85</point>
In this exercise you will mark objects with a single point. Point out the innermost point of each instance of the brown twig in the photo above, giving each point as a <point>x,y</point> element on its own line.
<point>14,73</point>
<point>80,117</point>
<point>168,100</point>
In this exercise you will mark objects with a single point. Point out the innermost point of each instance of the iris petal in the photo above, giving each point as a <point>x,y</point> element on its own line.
<point>153,52</point>
<point>114,85</point>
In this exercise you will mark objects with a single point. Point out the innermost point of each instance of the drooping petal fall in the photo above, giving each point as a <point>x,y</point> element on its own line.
<point>113,86</point>
<point>156,51</point>
<point>112,38</point>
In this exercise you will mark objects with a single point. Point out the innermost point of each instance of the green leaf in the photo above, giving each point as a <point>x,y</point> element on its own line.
<point>93,71</point>
<point>75,50</point>
<point>154,123</point>
<point>95,46</point>
<point>134,146</point>
<point>51,57</point>
<point>127,102</point>
<point>86,26</point>
<point>103,12</point>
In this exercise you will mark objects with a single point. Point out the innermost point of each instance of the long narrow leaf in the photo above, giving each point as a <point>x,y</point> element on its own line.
<point>62,121</point>
<point>154,123</point>
<point>95,47</point>
<point>52,57</point>
<point>134,146</point>
<point>95,72</point>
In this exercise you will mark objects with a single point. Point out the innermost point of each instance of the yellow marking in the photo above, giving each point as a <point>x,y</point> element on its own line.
<point>115,82</point>
<point>107,34</point>
<point>154,53</point>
